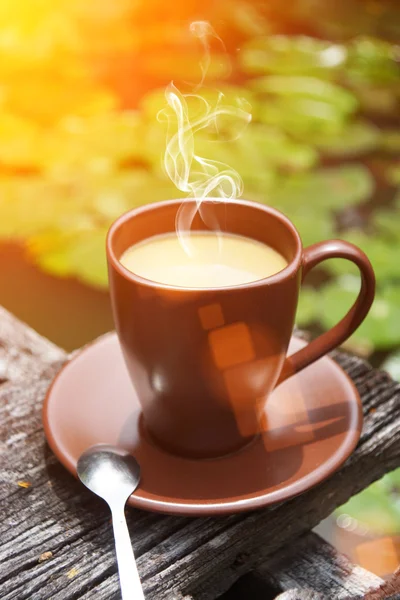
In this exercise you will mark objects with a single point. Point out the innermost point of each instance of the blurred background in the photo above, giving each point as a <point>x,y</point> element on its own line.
<point>81,84</point>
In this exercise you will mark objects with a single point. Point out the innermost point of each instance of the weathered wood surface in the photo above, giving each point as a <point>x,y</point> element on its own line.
<point>318,570</point>
<point>309,569</point>
<point>199,558</point>
<point>389,590</point>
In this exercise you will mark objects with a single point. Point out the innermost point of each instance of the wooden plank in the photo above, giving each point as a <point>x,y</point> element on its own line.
<point>176,556</point>
<point>318,570</point>
<point>389,590</point>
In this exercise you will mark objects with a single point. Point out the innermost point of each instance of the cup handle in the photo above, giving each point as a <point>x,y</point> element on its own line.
<point>329,340</point>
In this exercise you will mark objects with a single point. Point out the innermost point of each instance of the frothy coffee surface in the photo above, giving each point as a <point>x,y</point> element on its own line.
<point>205,259</point>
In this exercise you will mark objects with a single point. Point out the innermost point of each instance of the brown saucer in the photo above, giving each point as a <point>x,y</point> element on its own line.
<point>314,422</point>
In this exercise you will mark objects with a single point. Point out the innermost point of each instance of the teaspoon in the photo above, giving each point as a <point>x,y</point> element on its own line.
<point>113,474</point>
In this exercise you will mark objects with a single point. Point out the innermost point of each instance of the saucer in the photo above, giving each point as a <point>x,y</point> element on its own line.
<point>313,422</point>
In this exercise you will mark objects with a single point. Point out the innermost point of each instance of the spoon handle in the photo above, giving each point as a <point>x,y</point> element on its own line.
<point>131,587</point>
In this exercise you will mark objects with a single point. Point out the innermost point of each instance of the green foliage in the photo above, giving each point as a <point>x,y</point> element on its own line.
<point>69,240</point>
<point>324,190</point>
<point>380,252</point>
<point>378,506</point>
<point>69,253</point>
<point>302,117</point>
<point>371,61</point>
<point>307,310</point>
<point>286,55</point>
<point>354,139</point>
<point>382,326</point>
<point>72,162</point>
<point>328,95</point>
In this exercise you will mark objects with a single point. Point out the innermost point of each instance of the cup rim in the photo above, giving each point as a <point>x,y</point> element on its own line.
<point>289,271</point>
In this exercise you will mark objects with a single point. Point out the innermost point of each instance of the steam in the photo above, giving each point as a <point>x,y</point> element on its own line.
<point>203,31</point>
<point>195,175</point>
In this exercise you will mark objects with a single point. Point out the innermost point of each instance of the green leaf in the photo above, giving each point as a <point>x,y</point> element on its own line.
<point>275,147</point>
<point>307,310</point>
<point>292,55</point>
<point>301,117</point>
<point>379,251</point>
<point>381,329</point>
<point>257,148</point>
<point>324,190</point>
<point>94,144</point>
<point>32,204</point>
<point>354,139</point>
<point>35,204</point>
<point>79,254</point>
<point>372,61</point>
<point>329,95</point>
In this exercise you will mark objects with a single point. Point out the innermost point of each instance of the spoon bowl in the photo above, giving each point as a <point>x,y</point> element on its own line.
<point>111,473</point>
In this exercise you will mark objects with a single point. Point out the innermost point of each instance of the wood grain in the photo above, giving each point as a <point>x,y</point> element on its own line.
<point>177,557</point>
<point>311,563</point>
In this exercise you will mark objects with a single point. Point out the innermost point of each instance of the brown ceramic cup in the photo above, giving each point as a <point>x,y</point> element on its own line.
<point>203,361</point>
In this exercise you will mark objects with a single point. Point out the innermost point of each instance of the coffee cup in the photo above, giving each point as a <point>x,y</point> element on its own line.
<point>204,358</point>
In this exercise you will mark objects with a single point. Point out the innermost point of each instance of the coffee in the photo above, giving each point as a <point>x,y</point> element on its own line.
<point>202,259</point>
